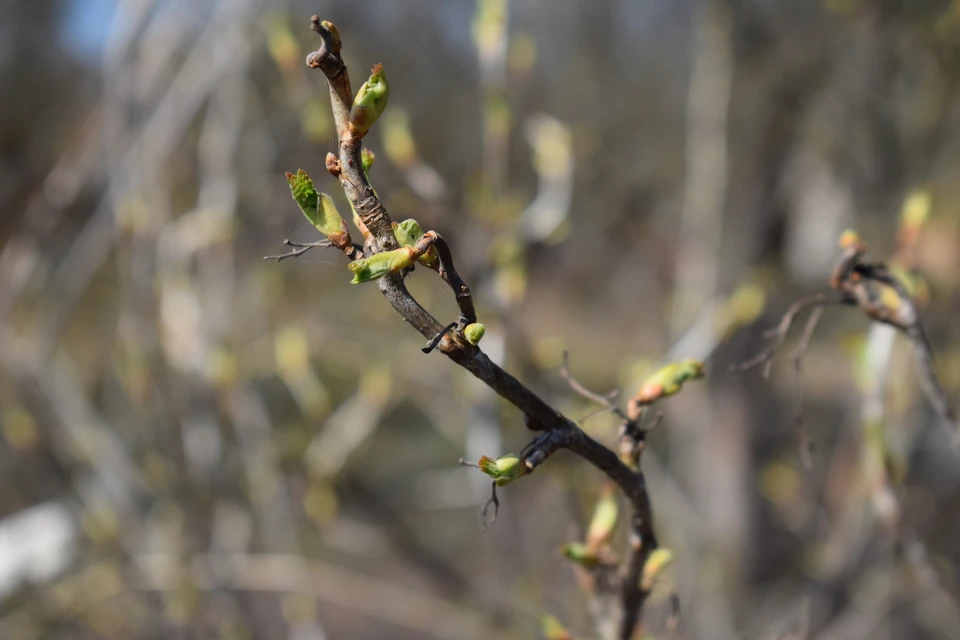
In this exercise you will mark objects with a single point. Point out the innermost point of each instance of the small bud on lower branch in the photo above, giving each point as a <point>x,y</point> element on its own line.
<point>851,238</point>
<point>370,102</point>
<point>474,332</point>
<point>366,161</point>
<point>504,469</point>
<point>380,264</point>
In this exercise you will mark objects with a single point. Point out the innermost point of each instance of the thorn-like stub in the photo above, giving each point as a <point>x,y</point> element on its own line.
<point>335,43</point>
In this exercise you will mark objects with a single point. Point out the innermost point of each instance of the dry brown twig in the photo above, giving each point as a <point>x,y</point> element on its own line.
<point>861,285</point>
<point>558,432</point>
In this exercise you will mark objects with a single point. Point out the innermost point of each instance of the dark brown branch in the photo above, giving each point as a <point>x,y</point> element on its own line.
<point>642,539</point>
<point>460,289</point>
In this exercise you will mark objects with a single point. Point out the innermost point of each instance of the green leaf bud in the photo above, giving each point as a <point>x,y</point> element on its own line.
<point>580,554</point>
<point>474,332</point>
<point>504,469</point>
<point>380,264</point>
<point>370,101</point>
<point>668,380</point>
<point>318,208</point>
<point>656,563</point>
<point>407,234</point>
<point>366,161</point>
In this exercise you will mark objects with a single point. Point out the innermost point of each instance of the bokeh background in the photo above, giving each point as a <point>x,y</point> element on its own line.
<point>198,443</point>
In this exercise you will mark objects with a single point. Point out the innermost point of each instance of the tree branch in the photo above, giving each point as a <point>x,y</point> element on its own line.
<point>560,432</point>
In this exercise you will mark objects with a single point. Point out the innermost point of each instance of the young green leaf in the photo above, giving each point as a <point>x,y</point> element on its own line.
<point>380,264</point>
<point>504,469</point>
<point>668,380</point>
<point>318,208</point>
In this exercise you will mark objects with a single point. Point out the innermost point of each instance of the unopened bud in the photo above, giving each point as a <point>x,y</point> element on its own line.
<point>370,102</point>
<point>580,554</point>
<point>474,332</point>
<point>380,264</point>
<point>366,161</point>
<point>656,563</point>
<point>849,238</point>
<point>916,210</point>
<point>668,380</point>
<point>604,519</point>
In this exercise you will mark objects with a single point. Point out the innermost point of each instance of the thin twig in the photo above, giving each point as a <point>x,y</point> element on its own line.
<point>778,334</point>
<point>460,289</point>
<point>804,443</point>
<point>302,248</point>
<point>605,401</point>
<point>930,381</point>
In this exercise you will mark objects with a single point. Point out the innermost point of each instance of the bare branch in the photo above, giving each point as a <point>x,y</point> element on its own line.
<point>302,248</point>
<point>605,401</point>
<point>765,357</point>
<point>460,290</point>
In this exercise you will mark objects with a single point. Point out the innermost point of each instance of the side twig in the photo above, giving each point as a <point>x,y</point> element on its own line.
<point>300,250</point>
